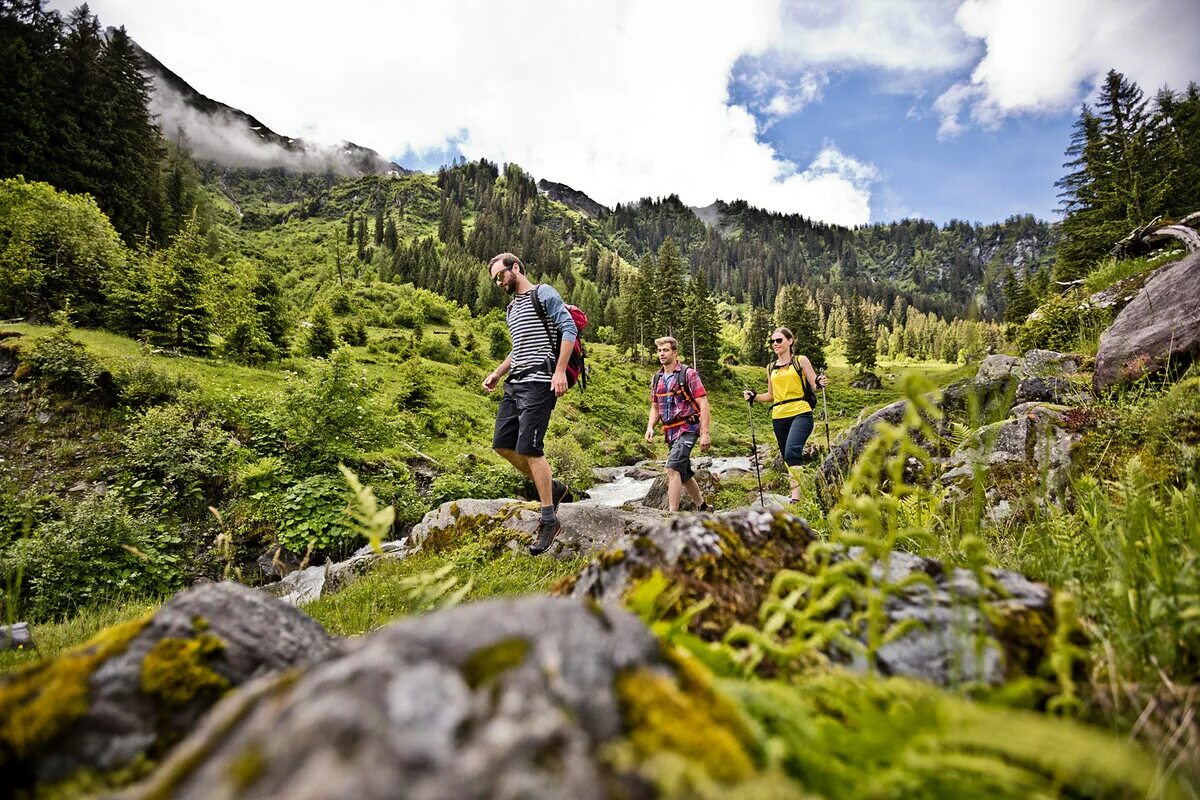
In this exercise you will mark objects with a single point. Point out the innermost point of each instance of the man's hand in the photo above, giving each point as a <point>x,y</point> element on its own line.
<point>558,383</point>
<point>822,381</point>
<point>489,383</point>
<point>650,434</point>
<point>705,442</point>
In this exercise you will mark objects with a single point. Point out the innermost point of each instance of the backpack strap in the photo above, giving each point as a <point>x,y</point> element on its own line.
<point>541,312</point>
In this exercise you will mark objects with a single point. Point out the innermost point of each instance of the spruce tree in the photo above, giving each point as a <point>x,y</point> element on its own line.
<point>702,330</point>
<point>390,238</point>
<point>755,349</point>
<point>792,311</point>
<point>378,232</point>
<point>360,238</point>
<point>350,228</point>
<point>321,339</point>
<point>179,315</point>
<point>668,290</point>
<point>860,339</point>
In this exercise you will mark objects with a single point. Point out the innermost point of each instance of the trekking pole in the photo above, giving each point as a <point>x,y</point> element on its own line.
<point>825,404</point>
<point>754,452</point>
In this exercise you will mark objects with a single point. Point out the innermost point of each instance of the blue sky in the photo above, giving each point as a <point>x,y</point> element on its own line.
<point>979,175</point>
<point>847,111</point>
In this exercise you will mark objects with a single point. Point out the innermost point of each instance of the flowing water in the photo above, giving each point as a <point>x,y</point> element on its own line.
<point>617,486</point>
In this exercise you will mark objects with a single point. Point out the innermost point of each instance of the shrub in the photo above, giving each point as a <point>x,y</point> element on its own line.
<point>247,343</point>
<point>569,462</point>
<point>100,551</point>
<point>321,339</point>
<point>437,350</point>
<point>354,332</point>
<point>416,387</point>
<point>55,248</point>
<point>313,513</point>
<point>62,362</point>
<point>177,460</point>
<point>498,344</point>
<point>139,384</point>
<point>333,418</point>
<point>1062,322</point>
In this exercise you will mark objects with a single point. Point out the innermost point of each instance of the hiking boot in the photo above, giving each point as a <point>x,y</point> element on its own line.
<point>705,508</point>
<point>544,537</point>
<point>558,491</point>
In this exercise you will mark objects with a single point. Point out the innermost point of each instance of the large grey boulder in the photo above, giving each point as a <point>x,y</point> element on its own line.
<point>585,529</point>
<point>969,627</point>
<point>503,699</point>
<point>137,688</point>
<point>1160,326</point>
<point>1034,443</point>
<point>656,497</point>
<point>729,558</point>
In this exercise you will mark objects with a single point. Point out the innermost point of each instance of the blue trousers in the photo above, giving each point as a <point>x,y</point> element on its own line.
<point>791,433</point>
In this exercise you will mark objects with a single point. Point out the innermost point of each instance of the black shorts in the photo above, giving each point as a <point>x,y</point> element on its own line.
<point>679,458</point>
<point>523,417</point>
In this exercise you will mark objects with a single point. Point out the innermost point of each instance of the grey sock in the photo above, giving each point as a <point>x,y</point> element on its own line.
<point>548,514</point>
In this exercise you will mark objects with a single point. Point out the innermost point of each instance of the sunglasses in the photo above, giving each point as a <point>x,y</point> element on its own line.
<point>496,279</point>
<point>776,341</point>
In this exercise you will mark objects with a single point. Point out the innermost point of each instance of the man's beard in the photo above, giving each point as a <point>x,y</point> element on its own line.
<point>508,287</point>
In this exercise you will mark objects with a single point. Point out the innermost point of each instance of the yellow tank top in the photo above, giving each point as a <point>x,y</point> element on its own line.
<point>787,387</point>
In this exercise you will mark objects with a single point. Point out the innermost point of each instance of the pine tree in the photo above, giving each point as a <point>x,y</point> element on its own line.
<point>701,330</point>
<point>860,339</point>
<point>1019,301</point>
<point>390,238</point>
<point>792,311</point>
<point>178,314</point>
<point>360,238</point>
<point>350,228</point>
<point>321,339</point>
<point>378,232</point>
<point>668,290</point>
<point>755,349</point>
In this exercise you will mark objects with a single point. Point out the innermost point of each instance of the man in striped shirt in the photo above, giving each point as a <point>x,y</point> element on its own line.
<point>537,376</point>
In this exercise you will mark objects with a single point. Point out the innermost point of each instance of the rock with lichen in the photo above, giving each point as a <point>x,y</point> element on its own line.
<point>135,689</point>
<point>728,557</point>
<point>507,698</point>
<point>964,627</point>
<point>512,523</point>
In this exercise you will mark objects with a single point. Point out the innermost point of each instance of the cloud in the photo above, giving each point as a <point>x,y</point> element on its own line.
<point>771,95</point>
<point>896,35</point>
<point>1047,56</point>
<point>620,99</point>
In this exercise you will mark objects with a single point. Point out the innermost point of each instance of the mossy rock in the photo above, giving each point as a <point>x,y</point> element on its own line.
<point>93,714</point>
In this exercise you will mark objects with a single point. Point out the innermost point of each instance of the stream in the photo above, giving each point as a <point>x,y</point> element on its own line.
<point>617,486</point>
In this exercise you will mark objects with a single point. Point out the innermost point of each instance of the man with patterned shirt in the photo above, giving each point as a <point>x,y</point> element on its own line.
<point>537,376</point>
<point>679,400</point>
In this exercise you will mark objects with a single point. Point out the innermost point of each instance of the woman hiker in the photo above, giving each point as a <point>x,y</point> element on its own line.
<point>791,413</point>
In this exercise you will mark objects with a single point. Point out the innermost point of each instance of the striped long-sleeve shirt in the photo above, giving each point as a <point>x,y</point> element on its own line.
<point>533,353</point>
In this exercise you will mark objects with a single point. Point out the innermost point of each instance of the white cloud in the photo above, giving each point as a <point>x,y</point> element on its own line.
<point>620,99</point>
<point>1046,56</point>
<point>773,96</point>
<point>898,35</point>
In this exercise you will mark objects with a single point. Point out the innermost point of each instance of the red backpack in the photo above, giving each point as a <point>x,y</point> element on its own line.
<point>576,366</point>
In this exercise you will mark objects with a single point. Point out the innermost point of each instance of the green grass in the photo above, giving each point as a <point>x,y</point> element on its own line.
<point>379,598</point>
<point>55,637</point>
<point>1112,270</point>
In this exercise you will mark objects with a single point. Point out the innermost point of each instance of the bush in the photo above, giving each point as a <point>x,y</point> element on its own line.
<point>100,551</point>
<point>333,418</point>
<point>313,513</point>
<point>247,343</point>
<point>437,350</point>
<point>139,384</point>
<point>354,332</point>
<point>498,343</point>
<point>1062,322</point>
<point>321,339</point>
<point>570,463</point>
<point>177,460</point>
<point>62,362</point>
<point>56,248</point>
<point>416,387</point>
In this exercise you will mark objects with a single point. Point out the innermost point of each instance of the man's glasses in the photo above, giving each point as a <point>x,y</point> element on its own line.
<point>499,276</point>
<point>775,341</point>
